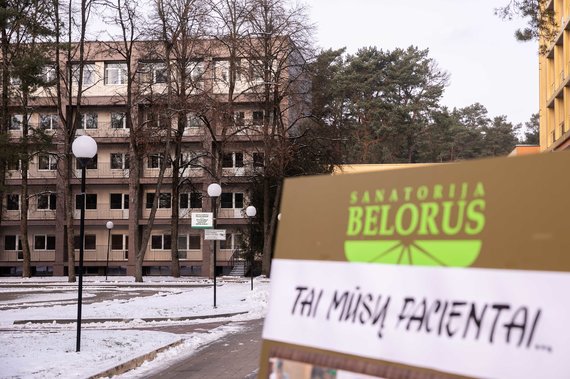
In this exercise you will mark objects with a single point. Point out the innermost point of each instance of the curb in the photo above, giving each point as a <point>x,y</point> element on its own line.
<point>135,362</point>
<point>125,320</point>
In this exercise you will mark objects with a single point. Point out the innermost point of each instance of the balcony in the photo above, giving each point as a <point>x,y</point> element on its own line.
<point>99,254</point>
<point>35,256</point>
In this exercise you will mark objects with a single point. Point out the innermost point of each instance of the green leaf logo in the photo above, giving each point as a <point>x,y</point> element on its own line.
<point>449,253</point>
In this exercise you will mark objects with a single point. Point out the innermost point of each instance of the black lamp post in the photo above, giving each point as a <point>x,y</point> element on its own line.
<point>109,226</point>
<point>214,191</point>
<point>84,148</point>
<point>251,212</point>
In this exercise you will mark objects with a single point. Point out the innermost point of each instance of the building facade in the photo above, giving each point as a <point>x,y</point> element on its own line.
<point>554,92</point>
<point>221,140</point>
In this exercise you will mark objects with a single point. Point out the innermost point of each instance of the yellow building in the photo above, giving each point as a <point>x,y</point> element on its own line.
<point>555,83</point>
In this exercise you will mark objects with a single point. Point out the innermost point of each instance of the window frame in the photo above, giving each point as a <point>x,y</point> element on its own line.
<point>156,160</point>
<point>17,242</point>
<point>120,69</point>
<point>234,157</point>
<point>235,200</point>
<point>90,242</point>
<point>16,122</point>
<point>52,121</point>
<point>115,120</point>
<point>51,162</point>
<point>89,74</point>
<point>165,242</point>
<point>124,242</point>
<point>164,198</point>
<point>13,199</point>
<point>48,240</point>
<point>90,201</point>
<point>84,121</point>
<point>124,201</point>
<point>50,201</point>
<point>124,161</point>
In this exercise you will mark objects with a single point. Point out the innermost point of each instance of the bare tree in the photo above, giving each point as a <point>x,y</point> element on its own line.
<point>278,49</point>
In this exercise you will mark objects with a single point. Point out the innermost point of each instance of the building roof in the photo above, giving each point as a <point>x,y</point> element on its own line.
<point>524,150</point>
<point>360,168</point>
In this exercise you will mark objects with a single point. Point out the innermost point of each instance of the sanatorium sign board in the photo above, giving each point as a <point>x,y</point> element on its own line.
<point>448,270</point>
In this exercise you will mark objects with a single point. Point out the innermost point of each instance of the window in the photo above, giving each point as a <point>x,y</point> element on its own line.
<point>16,122</point>
<point>13,202</point>
<point>88,121</point>
<point>194,242</point>
<point>153,73</point>
<point>89,74</point>
<point>256,70</point>
<point>118,120</point>
<point>13,243</point>
<point>90,201</point>
<point>48,74</point>
<point>233,241</point>
<point>161,242</point>
<point>164,200</point>
<point>119,242</point>
<point>47,162</point>
<point>119,201</point>
<point>47,201</point>
<point>192,159</point>
<point>258,159</point>
<point>195,70</point>
<point>232,160</point>
<point>239,118</point>
<point>193,121</point>
<point>14,165</point>
<point>155,161</point>
<point>232,200</point>
<point>115,73</point>
<point>221,70</point>
<point>44,242</point>
<point>192,200</point>
<point>49,121</point>
<point>90,242</point>
<point>90,164</point>
<point>257,117</point>
<point>120,161</point>
<point>189,242</point>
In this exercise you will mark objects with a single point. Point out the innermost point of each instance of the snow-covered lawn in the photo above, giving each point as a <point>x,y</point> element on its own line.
<point>47,350</point>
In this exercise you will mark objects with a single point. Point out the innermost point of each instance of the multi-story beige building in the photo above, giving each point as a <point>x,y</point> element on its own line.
<point>107,185</point>
<point>555,82</point>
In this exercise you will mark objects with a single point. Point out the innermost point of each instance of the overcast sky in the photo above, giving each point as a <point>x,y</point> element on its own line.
<point>485,62</point>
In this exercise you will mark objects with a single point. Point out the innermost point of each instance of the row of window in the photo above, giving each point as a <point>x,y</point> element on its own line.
<point>191,200</point>
<point>120,161</point>
<point>46,242</point>
<point>45,201</point>
<point>115,73</point>
<point>90,120</point>
<point>40,242</point>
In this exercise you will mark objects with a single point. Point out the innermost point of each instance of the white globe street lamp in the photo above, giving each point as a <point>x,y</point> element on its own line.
<point>251,212</point>
<point>214,191</point>
<point>84,148</point>
<point>109,226</point>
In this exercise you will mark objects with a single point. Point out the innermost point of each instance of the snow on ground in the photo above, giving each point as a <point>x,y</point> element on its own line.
<point>34,350</point>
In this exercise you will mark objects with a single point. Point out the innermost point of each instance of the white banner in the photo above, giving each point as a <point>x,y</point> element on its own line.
<point>474,322</point>
<point>215,234</point>
<point>202,220</point>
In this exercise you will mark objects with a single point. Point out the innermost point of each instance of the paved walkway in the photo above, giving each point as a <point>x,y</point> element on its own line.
<point>235,356</point>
